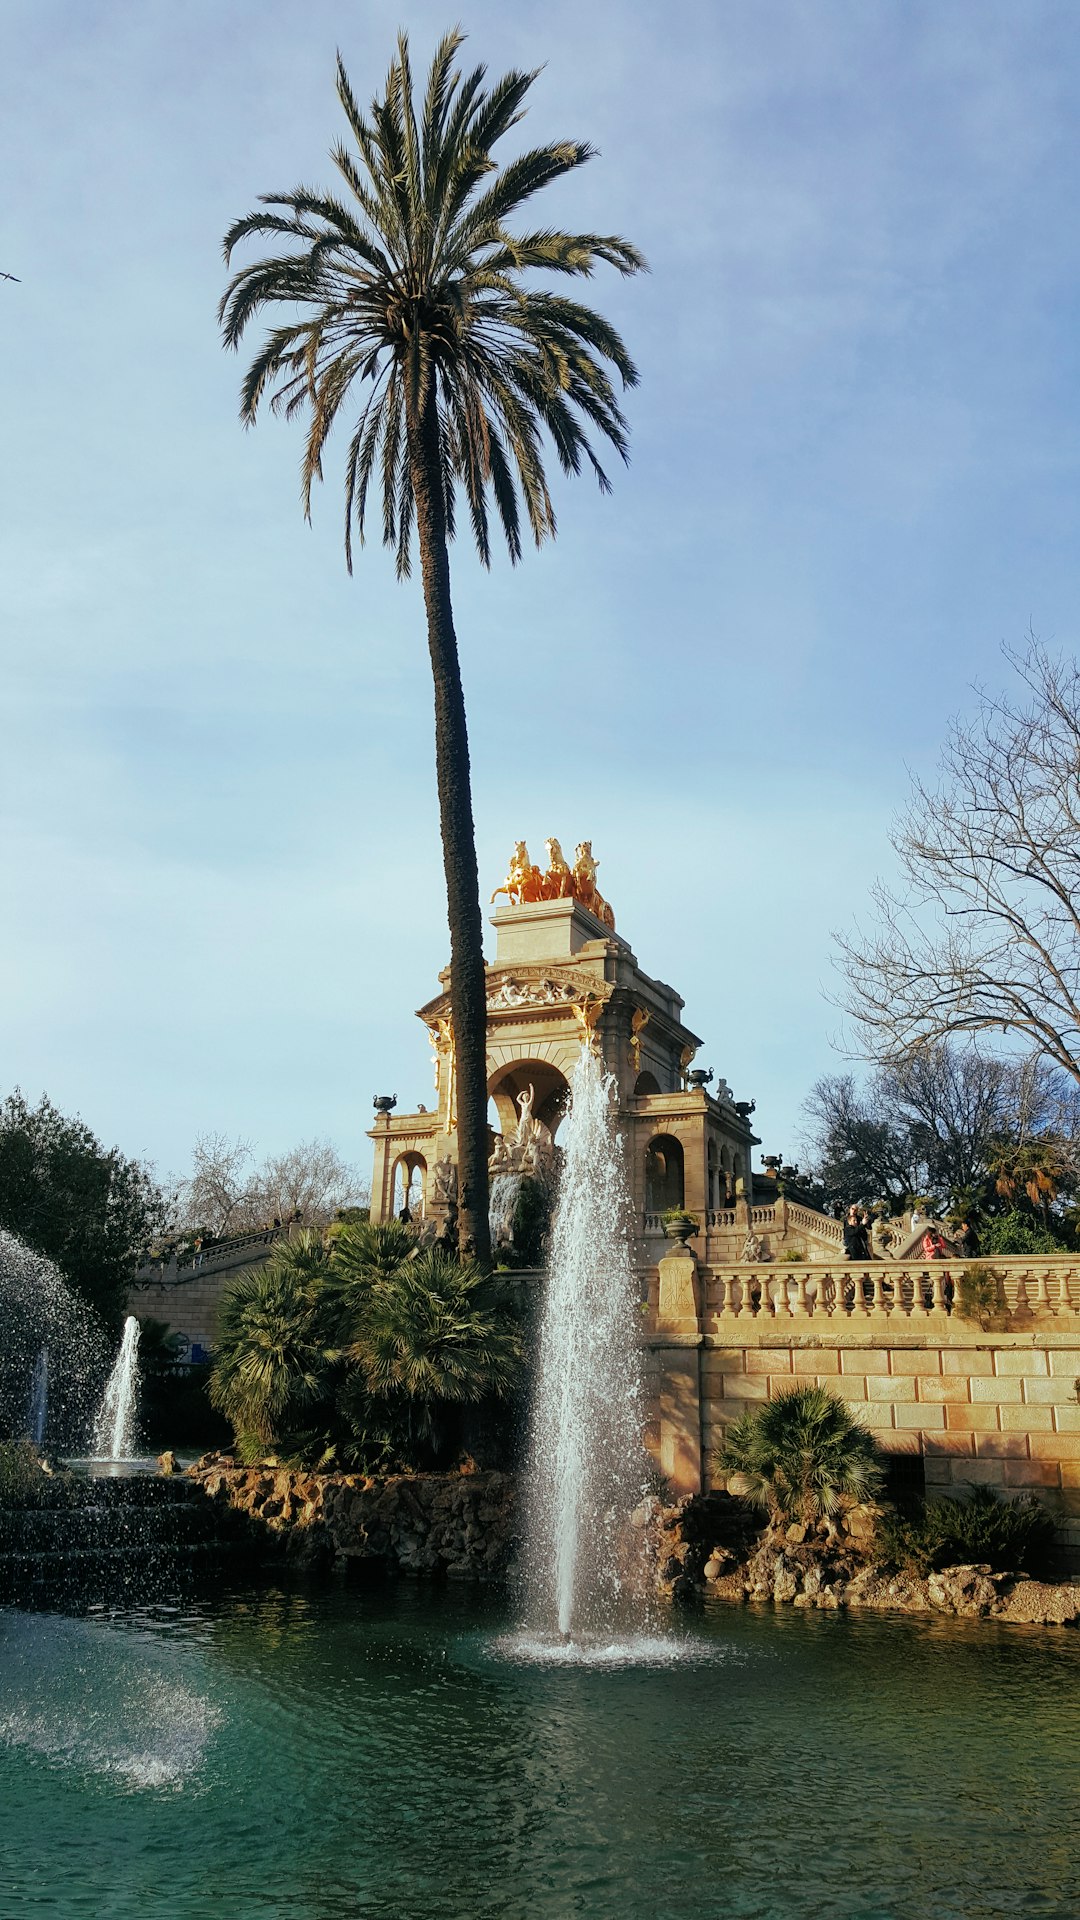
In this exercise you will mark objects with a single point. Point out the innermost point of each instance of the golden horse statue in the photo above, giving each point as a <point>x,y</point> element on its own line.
<point>560,880</point>
<point>585,887</point>
<point>524,882</point>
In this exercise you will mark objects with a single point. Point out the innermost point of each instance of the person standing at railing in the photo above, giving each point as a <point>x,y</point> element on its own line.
<point>856,1238</point>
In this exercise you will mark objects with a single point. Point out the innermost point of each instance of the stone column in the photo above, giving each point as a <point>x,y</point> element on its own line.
<point>678,1338</point>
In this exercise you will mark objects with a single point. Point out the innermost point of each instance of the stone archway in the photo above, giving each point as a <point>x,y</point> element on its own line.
<point>551,1092</point>
<point>664,1174</point>
<point>408,1186</point>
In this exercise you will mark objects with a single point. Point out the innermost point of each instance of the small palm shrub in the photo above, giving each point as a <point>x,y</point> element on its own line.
<point>802,1457</point>
<point>1009,1536</point>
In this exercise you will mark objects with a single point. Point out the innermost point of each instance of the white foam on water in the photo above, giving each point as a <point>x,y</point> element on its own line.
<point>636,1650</point>
<point>96,1701</point>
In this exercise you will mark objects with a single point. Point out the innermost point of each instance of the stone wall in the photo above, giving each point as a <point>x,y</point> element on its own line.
<point>451,1525</point>
<point>971,1406</point>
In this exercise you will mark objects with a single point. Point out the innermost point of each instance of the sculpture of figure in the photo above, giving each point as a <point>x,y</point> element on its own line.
<point>445,1178</point>
<point>752,1248</point>
<point>558,882</point>
<point>587,1012</point>
<point>525,1123</point>
<point>639,1020</point>
<point>524,882</point>
<point>500,1159</point>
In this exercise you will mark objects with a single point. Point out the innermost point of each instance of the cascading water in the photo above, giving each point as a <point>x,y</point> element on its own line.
<point>38,1410</point>
<point>114,1428</point>
<point>586,1461</point>
<point>502,1202</point>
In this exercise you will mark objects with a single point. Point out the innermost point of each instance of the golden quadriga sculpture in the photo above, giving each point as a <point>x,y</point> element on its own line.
<point>561,881</point>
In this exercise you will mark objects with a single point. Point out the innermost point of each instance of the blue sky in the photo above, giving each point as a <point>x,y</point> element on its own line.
<point>854,474</point>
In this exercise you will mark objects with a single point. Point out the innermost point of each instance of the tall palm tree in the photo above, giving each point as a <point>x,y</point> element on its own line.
<point>409,307</point>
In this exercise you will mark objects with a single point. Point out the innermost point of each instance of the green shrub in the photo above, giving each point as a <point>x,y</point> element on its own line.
<point>802,1457</point>
<point>1009,1536</point>
<point>1018,1232</point>
<point>791,1257</point>
<point>980,1297</point>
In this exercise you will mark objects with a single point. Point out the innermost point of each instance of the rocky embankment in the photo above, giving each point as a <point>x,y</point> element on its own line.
<point>463,1526</point>
<point>458,1525</point>
<point>701,1546</point>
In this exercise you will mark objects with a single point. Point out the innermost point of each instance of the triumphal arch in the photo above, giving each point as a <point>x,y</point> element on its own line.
<point>562,975</point>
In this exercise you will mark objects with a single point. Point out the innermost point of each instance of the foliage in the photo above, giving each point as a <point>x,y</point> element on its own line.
<point>985,935</point>
<point>86,1207</point>
<point>416,277</point>
<point>1019,1232</point>
<point>358,1349</point>
<point>802,1457</point>
<point>980,1296</point>
<point>790,1257</point>
<point>1009,1536</point>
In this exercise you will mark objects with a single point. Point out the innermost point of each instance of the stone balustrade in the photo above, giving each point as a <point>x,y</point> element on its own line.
<point>879,1294</point>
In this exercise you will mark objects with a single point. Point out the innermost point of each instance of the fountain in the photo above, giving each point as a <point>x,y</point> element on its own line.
<point>53,1353</point>
<point>584,1563</point>
<point>38,1412</point>
<point>114,1428</point>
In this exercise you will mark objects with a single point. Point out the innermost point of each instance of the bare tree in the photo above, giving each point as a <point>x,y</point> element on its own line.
<point>942,1123</point>
<point>226,1193</point>
<point>312,1181</point>
<point>985,935</point>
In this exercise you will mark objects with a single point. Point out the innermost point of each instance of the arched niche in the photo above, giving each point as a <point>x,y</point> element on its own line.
<point>551,1093</point>
<point>715,1184</point>
<point>409,1186</point>
<point>664,1174</point>
<point>646,1083</point>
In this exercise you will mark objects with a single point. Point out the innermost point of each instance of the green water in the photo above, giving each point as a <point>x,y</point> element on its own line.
<point>322,1755</point>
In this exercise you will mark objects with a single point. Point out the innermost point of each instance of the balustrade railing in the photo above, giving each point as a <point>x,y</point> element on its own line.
<point>880,1291</point>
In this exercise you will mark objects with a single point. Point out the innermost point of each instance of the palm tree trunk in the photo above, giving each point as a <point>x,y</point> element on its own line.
<point>468,985</point>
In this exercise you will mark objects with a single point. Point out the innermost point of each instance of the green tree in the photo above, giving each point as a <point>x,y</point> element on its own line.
<point>802,1457</point>
<point>87,1207</point>
<point>413,287</point>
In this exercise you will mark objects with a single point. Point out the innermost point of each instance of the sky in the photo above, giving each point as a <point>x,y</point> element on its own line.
<point>854,474</point>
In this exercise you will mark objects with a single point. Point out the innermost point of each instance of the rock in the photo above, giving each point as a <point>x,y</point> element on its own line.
<point>965,1591</point>
<point>167,1461</point>
<point>1040,1604</point>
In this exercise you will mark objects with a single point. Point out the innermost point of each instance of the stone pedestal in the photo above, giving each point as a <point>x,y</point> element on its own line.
<point>678,1310</point>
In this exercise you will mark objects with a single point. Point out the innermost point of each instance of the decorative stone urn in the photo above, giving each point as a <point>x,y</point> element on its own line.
<point>681,1226</point>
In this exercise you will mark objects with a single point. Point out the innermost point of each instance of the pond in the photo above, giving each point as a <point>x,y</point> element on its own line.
<point>322,1754</point>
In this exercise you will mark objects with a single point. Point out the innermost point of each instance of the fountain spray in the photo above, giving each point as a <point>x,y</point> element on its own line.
<point>586,1458</point>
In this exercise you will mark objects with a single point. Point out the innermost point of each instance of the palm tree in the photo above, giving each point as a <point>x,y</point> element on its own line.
<point>407,304</point>
<point>271,1360</point>
<point>802,1457</point>
<point>438,1330</point>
